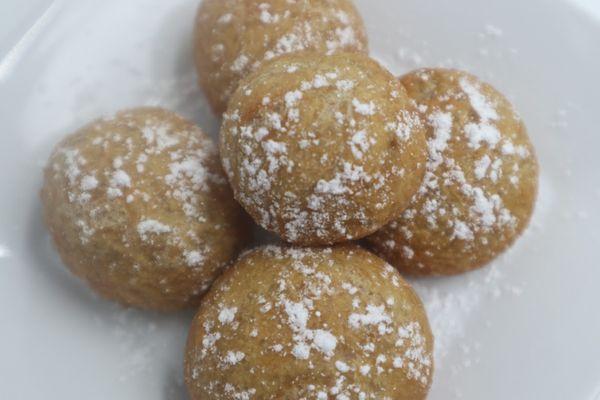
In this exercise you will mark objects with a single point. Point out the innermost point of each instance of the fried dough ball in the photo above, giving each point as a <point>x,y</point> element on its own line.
<point>297,323</point>
<point>481,182</point>
<point>139,208</point>
<point>233,37</point>
<point>323,149</point>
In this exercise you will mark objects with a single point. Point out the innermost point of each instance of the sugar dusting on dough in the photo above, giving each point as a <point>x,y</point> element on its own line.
<point>259,154</point>
<point>473,178</point>
<point>376,339</point>
<point>102,190</point>
<point>286,27</point>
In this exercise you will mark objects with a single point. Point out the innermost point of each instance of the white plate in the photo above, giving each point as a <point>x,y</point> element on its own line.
<point>527,327</point>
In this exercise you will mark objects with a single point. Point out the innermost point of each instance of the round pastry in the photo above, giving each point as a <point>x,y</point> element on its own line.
<point>481,182</point>
<point>323,149</point>
<point>293,323</point>
<point>139,208</point>
<point>233,37</point>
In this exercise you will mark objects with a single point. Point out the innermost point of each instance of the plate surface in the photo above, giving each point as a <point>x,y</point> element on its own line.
<point>527,327</point>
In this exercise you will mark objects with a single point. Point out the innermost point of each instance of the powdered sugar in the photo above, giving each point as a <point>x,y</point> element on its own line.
<point>292,98</point>
<point>345,85</point>
<point>297,315</point>
<point>73,162</point>
<point>336,186</point>
<point>360,144</point>
<point>478,133</point>
<point>89,182</point>
<point>158,137</point>
<point>375,315</point>
<point>462,231</point>
<point>240,63</point>
<point>342,366</point>
<point>147,227</point>
<point>494,31</point>
<point>365,370</point>
<point>265,16</point>
<point>225,18</point>
<point>481,166</point>
<point>325,342</point>
<point>305,338</point>
<point>187,176</point>
<point>479,101</point>
<point>364,108</point>
<point>234,357</point>
<point>194,258</point>
<point>227,315</point>
<point>485,130</point>
<point>450,306</point>
<point>120,179</point>
<point>442,130</point>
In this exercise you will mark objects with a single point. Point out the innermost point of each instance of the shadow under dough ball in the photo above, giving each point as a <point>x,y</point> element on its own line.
<point>480,185</point>
<point>323,149</point>
<point>297,323</point>
<point>139,208</point>
<point>233,37</point>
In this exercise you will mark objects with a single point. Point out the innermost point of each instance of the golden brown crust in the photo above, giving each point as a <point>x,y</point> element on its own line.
<point>322,149</point>
<point>481,181</point>
<point>291,323</point>
<point>232,37</point>
<point>139,208</point>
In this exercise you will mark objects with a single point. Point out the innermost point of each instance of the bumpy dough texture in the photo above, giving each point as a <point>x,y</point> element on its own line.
<point>140,209</point>
<point>481,182</point>
<point>291,323</point>
<point>234,36</point>
<point>323,149</point>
